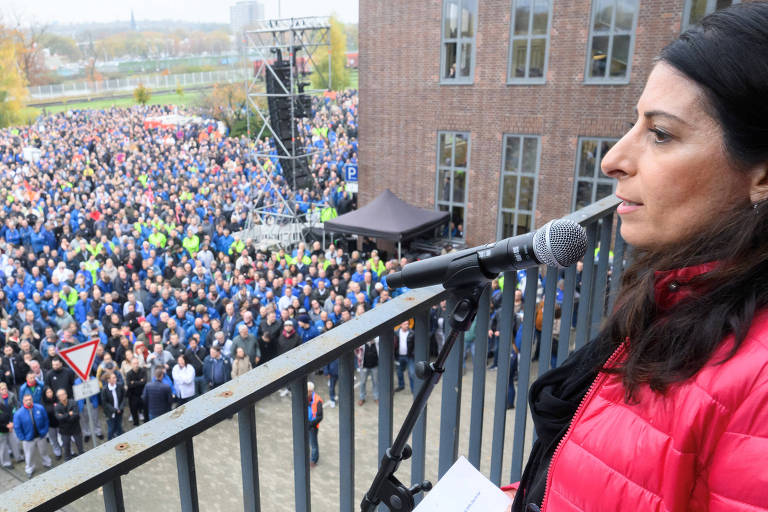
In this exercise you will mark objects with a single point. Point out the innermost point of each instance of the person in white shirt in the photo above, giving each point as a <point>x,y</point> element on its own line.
<point>184,379</point>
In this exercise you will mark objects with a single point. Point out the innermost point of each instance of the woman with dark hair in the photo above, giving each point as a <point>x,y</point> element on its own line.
<point>666,408</point>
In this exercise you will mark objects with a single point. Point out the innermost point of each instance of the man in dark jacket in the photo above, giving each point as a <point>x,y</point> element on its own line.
<point>216,368</point>
<point>113,402</point>
<point>249,344</point>
<point>14,368</point>
<point>60,377</point>
<point>68,414</point>
<point>370,368</point>
<point>288,339</point>
<point>135,380</point>
<point>196,355</point>
<point>6,418</point>
<point>157,395</point>
<point>404,342</point>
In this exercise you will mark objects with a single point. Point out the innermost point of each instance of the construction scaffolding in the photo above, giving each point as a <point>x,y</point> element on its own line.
<point>279,55</point>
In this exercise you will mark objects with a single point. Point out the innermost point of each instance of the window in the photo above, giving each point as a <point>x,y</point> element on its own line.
<point>529,41</point>
<point>451,189</point>
<point>697,9</point>
<point>519,173</point>
<point>457,60</point>
<point>590,183</point>
<point>611,41</point>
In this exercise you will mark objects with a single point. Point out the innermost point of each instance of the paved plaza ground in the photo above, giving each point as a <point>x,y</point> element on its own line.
<point>154,486</point>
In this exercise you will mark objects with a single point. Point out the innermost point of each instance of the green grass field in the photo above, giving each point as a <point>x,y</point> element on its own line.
<point>157,99</point>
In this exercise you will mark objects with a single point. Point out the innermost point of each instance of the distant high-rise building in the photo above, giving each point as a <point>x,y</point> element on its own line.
<point>244,13</point>
<point>133,22</point>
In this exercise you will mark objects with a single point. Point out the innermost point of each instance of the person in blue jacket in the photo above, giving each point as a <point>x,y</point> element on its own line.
<point>30,423</point>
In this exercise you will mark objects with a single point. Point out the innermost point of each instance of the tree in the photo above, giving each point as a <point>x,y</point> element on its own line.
<point>339,73</point>
<point>29,51</point>
<point>227,103</point>
<point>179,89</point>
<point>62,45</point>
<point>141,94</point>
<point>13,90</point>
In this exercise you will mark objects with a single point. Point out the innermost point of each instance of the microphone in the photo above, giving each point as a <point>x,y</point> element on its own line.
<point>559,243</point>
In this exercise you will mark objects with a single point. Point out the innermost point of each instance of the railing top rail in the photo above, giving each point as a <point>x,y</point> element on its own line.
<point>595,211</point>
<point>67,482</point>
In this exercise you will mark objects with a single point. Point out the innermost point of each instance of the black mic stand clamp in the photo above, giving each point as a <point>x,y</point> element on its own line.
<point>386,488</point>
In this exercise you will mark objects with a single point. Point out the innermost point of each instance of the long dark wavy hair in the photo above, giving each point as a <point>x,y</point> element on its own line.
<point>726,55</point>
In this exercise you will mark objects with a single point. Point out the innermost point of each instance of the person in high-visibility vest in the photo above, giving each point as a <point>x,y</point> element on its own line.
<point>191,243</point>
<point>315,416</point>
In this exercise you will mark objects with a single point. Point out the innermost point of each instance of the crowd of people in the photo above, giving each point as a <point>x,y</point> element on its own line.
<point>126,233</point>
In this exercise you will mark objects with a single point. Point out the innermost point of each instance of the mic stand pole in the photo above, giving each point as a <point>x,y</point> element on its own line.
<point>386,488</point>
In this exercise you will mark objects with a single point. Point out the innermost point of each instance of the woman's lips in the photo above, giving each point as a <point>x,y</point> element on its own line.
<point>627,206</point>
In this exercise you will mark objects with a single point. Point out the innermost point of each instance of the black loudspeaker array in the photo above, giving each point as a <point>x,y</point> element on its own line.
<point>295,170</point>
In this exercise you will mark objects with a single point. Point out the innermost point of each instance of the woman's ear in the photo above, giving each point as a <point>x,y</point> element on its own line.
<point>758,191</point>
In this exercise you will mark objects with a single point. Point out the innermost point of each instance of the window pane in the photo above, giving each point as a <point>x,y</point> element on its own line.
<point>449,50</point>
<point>604,190</point>
<point>522,17</point>
<point>451,20</point>
<point>524,224</point>
<point>512,154</point>
<point>509,191</point>
<point>526,193</point>
<point>603,15</point>
<point>466,59</point>
<point>468,18</point>
<point>538,50</point>
<point>530,146</point>
<point>507,224</point>
<point>587,158</point>
<point>625,14</point>
<point>583,194</point>
<point>459,185</point>
<point>540,17</point>
<point>460,156</point>
<point>698,11</point>
<point>620,56</point>
<point>519,49</point>
<point>457,218</point>
<point>445,185</point>
<point>722,4</point>
<point>446,148</point>
<point>599,56</point>
<point>605,147</point>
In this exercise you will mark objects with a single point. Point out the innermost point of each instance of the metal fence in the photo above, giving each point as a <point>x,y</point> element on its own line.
<point>114,85</point>
<point>103,466</point>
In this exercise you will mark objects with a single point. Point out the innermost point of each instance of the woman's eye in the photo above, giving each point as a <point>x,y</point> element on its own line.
<point>660,136</point>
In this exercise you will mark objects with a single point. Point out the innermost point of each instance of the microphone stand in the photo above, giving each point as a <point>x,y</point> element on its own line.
<point>386,488</point>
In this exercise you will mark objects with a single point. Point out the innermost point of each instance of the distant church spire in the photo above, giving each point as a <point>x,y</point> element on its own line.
<point>133,22</point>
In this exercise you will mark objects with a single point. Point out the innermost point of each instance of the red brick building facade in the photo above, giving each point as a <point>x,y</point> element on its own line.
<point>409,94</point>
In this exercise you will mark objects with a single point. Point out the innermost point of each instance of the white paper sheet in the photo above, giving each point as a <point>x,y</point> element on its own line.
<point>464,489</point>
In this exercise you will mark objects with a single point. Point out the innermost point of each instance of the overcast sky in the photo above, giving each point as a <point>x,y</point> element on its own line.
<point>216,11</point>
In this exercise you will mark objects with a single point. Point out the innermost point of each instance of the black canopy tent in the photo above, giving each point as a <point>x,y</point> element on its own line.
<point>387,217</point>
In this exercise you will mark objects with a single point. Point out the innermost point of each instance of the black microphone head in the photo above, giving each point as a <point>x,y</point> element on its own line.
<point>560,243</point>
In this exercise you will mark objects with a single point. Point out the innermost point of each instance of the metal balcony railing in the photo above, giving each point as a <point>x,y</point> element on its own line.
<point>104,466</point>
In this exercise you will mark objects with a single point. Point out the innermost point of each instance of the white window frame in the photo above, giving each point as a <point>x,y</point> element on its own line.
<point>711,4</point>
<point>458,80</point>
<point>450,203</point>
<point>517,175</point>
<point>607,79</point>
<point>597,177</point>
<point>511,79</point>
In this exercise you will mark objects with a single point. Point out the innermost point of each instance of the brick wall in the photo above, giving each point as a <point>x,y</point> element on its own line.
<point>403,105</point>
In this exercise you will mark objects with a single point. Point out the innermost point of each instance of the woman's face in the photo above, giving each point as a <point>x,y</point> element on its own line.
<point>671,167</point>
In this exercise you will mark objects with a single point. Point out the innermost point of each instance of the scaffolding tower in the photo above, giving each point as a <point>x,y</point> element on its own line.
<point>279,55</point>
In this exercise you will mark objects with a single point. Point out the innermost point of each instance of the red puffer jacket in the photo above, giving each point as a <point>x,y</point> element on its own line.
<point>702,446</point>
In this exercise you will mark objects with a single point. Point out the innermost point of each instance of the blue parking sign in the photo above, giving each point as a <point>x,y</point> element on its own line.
<point>350,172</point>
